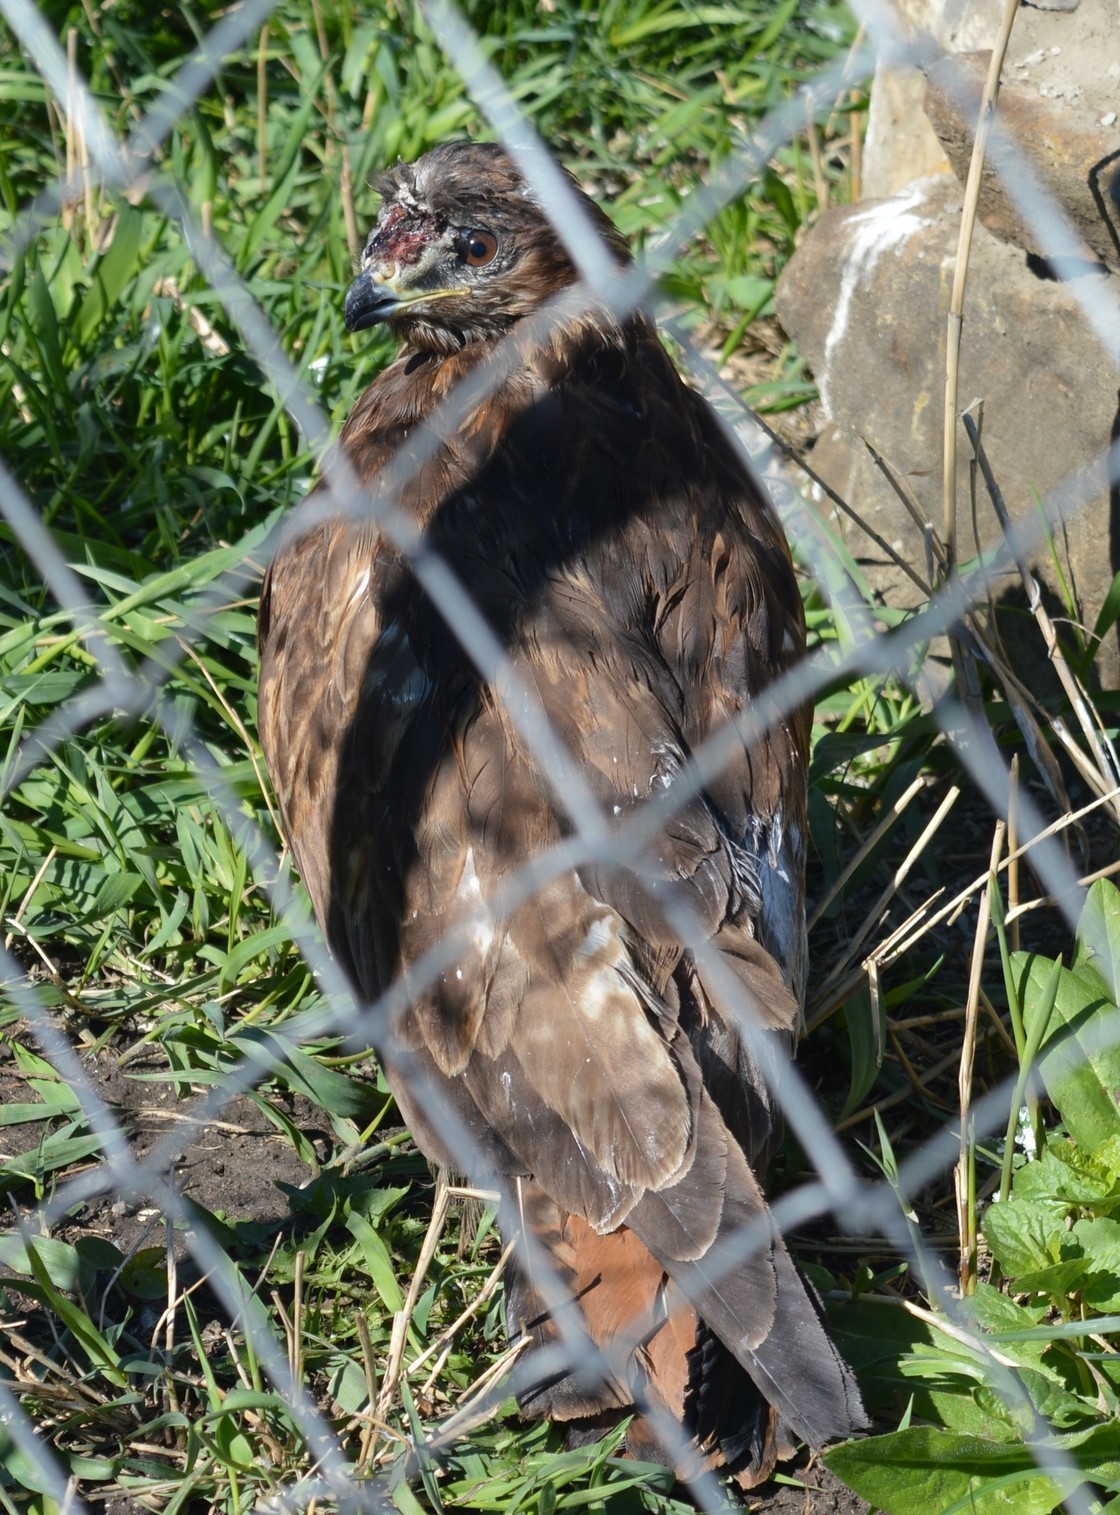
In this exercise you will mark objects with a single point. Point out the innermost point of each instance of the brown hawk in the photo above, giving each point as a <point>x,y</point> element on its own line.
<point>643,590</point>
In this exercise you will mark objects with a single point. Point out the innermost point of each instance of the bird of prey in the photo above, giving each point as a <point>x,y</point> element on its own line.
<point>596,1059</point>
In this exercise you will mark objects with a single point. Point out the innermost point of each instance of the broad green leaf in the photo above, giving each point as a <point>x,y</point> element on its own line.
<point>249,951</point>
<point>1098,934</point>
<point>60,1150</point>
<point>19,1115</point>
<point>96,1469</point>
<point>407,1502</point>
<point>1080,1060</point>
<point>927,1471</point>
<point>238,1400</point>
<point>1023,1237</point>
<point>866,1042</point>
<point>355,65</point>
<point>61,1262</point>
<point>271,211</point>
<point>1098,1238</point>
<point>33,1065</point>
<point>109,275</point>
<point>144,1275</point>
<point>27,1472</point>
<point>965,1412</point>
<point>1065,1175</point>
<point>659,20</point>
<point>1060,1279</point>
<point>332,1091</point>
<point>233,1445</point>
<point>99,1252</point>
<point>115,890</point>
<point>1109,611</point>
<point>47,330</point>
<point>283,1122</point>
<point>997,1313</point>
<point>348,1387</point>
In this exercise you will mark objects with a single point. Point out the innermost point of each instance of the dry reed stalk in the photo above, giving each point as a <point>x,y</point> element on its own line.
<point>960,900</point>
<point>875,914</point>
<point>960,279</point>
<point>965,1175</point>
<point>448,1334</point>
<point>786,450</point>
<point>935,547</point>
<point>865,848</point>
<point>1104,778</point>
<point>1048,901</point>
<point>823,1005</point>
<point>397,1340</point>
<point>349,210</point>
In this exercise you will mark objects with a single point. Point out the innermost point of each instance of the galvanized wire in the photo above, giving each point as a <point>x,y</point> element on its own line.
<point>840,1191</point>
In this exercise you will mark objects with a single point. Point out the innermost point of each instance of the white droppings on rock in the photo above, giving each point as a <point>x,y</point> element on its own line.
<point>880,229</point>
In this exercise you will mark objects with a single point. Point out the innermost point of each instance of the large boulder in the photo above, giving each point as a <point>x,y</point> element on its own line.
<point>867,294</point>
<point>866,298</point>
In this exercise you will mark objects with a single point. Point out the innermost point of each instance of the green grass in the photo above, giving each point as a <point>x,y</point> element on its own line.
<point>159,457</point>
<point>130,891</point>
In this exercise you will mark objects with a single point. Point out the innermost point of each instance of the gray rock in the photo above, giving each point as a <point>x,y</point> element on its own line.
<point>866,297</point>
<point>900,144</point>
<point>955,25</point>
<point>1076,159</point>
<point>1067,53</point>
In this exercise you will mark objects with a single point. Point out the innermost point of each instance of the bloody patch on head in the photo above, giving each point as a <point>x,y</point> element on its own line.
<point>401,238</point>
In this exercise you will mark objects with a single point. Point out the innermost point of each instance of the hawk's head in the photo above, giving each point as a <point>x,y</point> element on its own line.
<point>462,248</point>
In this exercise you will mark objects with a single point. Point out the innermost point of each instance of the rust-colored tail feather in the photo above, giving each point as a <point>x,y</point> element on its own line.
<point>741,1406</point>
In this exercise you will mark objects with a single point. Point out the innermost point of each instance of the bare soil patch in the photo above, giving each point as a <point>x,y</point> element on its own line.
<point>820,1492</point>
<point>231,1165</point>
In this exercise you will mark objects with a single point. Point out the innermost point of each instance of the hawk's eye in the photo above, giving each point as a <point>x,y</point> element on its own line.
<point>477,247</point>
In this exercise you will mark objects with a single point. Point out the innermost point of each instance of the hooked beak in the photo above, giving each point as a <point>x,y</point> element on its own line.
<point>369,301</point>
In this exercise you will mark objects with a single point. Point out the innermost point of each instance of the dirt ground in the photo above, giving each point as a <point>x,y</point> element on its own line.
<point>235,1166</point>
<point>820,1493</point>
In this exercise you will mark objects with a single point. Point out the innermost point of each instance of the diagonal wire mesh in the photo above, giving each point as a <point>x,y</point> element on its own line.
<point>108,647</point>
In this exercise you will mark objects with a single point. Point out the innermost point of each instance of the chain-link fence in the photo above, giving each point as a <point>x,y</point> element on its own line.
<point>121,1282</point>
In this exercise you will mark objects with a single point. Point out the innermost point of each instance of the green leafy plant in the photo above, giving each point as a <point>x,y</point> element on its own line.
<point>1025,1370</point>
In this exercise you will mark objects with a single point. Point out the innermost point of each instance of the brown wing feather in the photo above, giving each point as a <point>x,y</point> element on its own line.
<point>641,586</point>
